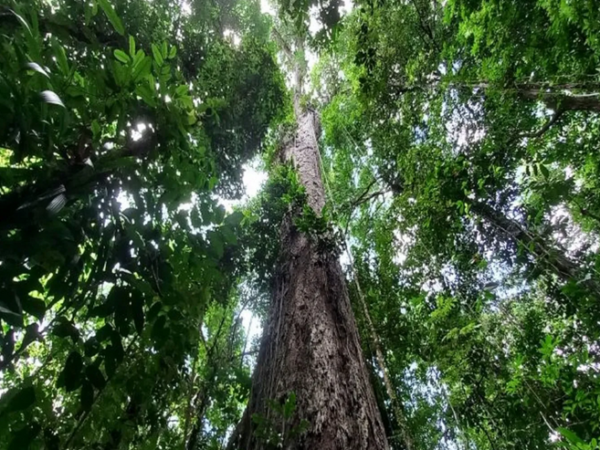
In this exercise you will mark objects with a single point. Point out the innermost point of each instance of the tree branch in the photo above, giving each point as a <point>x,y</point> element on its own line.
<point>426,28</point>
<point>281,42</point>
<point>356,202</point>
<point>553,120</point>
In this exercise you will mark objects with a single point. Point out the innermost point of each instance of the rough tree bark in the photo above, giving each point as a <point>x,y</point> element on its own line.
<point>310,345</point>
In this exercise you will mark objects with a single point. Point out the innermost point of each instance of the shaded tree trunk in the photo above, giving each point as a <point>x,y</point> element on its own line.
<point>558,101</point>
<point>588,98</point>
<point>560,264</point>
<point>554,97</point>
<point>310,345</point>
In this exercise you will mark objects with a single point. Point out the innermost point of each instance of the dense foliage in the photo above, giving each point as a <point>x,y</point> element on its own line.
<point>465,137</point>
<point>460,153</point>
<point>120,122</point>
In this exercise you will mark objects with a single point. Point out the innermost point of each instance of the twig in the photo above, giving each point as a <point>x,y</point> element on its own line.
<point>555,118</point>
<point>356,202</point>
<point>190,399</point>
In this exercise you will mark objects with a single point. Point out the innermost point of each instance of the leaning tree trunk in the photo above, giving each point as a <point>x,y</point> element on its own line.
<point>559,101</point>
<point>555,259</point>
<point>310,346</point>
<point>554,97</point>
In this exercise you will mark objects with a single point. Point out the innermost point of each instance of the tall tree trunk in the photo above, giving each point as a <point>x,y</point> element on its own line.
<point>588,98</point>
<point>310,345</point>
<point>559,101</point>
<point>556,259</point>
<point>554,97</point>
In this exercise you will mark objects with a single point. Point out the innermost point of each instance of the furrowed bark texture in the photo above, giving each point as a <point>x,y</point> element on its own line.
<point>310,344</point>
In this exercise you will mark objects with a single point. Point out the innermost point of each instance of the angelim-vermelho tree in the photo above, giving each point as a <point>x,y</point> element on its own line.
<point>459,146</point>
<point>310,359</point>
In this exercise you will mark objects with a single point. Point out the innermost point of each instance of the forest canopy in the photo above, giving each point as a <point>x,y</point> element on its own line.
<point>422,261</point>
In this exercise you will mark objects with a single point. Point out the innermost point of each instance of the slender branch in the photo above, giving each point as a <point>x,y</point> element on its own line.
<point>371,196</point>
<point>282,42</point>
<point>397,405</point>
<point>190,399</point>
<point>426,28</point>
<point>553,120</point>
<point>356,202</point>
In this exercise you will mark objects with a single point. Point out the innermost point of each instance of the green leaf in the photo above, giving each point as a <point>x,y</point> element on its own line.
<point>146,94</point>
<point>95,376</point>
<point>142,69</point>
<point>63,327</point>
<point>172,52</point>
<point>205,212</point>
<point>219,214</point>
<point>138,58</point>
<point>96,130</point>
<point>290,406</point>
<point>140,284</point>
<point>157,55</point>
<point>117,347</point>
<point>216,244</point>
<point>159,331</point>
<point>51,98</point>
<point>182,89</point>
<point>131,46</point>
<point>123,316</point>
<point>570,436</point>
<point>104,333</point>
<point>34,306</point>
<point>11,317</point>
<point>228,234</point>
<point>137,307</point>
<point>154,311</point>
<point>112,16</point>
<point>122,56</point>
<point>110,363</point>
<point>21,400</point>
<point>91,347</point>
<point>72,371</point>
<point>87,396</point>
<point>37,68</point>
<point>23,22</point>
<point>235,218</point>
<point>22,439</point>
